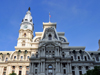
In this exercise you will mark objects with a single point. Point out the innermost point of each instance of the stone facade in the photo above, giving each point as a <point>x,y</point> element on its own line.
<point>48,53</point>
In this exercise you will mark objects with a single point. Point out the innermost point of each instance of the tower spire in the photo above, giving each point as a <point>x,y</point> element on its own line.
<point>28,17</point>
<point>27,21</point>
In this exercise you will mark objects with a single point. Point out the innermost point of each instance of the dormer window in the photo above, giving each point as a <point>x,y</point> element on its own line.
<point>50,37</point>
<point>31,20</point>
<point>26,20</point>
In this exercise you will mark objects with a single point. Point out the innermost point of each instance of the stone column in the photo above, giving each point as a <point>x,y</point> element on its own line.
<point>23,70</point>
<point>76,70</point>
<point>41,66</point>
<point>16,70</point>
<point>44,67</point>
<point>58,52</point>
<point>83,70</point>
<point>47,70</point>
<point>30,70</point>
<point>61,67</point>
<point>7,72</point>
<point>56,67</point>
<point>54,71</point>
<point>2,70</point>
<point>9,69</point>
<point>32,67</point>
<point>67,68</point>
<point>70,68</point>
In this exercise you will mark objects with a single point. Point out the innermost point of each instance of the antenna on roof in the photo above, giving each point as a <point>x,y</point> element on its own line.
<point>49,16</point>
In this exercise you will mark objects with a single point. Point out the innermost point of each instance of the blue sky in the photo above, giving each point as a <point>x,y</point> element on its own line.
<point>79,19</point>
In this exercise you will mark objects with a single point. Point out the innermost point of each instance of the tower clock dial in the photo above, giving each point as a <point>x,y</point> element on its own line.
<point>25,26</point>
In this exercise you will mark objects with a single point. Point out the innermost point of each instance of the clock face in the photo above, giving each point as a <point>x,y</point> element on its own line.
<point>25,26</point>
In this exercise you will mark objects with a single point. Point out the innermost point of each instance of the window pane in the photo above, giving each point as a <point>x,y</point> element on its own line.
<point>50,71</point>
<point>50,66</point>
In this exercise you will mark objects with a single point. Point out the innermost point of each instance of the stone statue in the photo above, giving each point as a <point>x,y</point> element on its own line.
<point>29,8</point>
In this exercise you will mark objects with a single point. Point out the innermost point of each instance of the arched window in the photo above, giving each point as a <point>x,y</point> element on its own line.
<point>36,55</point>
<point>94,58</point>
<point>27,57</point>
<point>50,37</point>
<point>78,58</point>
<point>50,69</point>
<point>21,57</point>
<point>85,58</point>
<point>14,57</point>
<point>63,56</point>
<point>6,59</point>
<point>24,34</point>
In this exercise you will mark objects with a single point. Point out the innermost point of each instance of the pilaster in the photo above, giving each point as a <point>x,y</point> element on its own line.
<point>76,70</point>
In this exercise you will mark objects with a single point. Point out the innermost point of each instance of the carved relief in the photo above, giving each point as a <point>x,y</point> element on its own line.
<point>62,39</point>
<point>37,39</point>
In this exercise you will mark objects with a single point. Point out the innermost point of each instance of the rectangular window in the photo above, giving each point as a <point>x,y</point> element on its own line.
<point>23,44</point>
<point>64,71</point>
<point>50,71</point>
<point>79,67</point>
<point>20,67</point>
<point>87,67</point>
<point>27,67</point>
<point>72,67</point>
<point>13,67</point>
<point>5,68</point>
<point>4,73</point>
<point>73,72</point>
<point>80,72</point>
<point>36,64</point>
<point>64,65</point>
<point>35,71</point>
<point>20,72</point>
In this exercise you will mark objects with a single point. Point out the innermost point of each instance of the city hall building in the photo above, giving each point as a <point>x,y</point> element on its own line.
<point>46,53</point>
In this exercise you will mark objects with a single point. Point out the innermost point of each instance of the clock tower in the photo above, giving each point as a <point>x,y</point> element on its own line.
<point>25,32</point>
